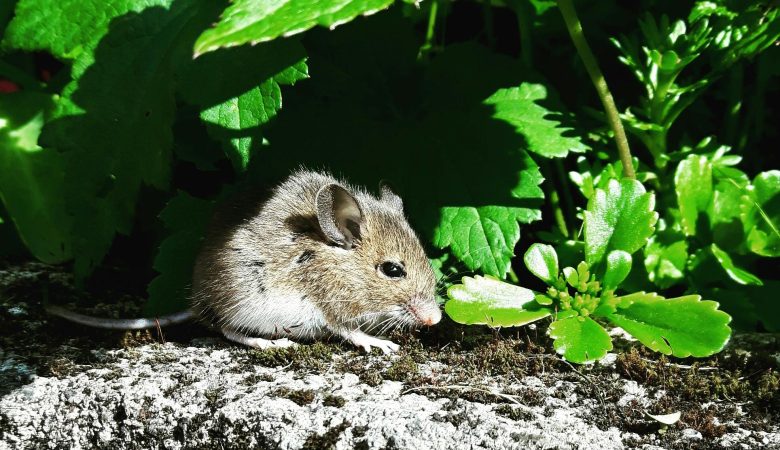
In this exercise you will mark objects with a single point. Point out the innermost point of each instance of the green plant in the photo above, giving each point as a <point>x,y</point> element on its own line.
<point>618,221</point>
<point>132,118</point>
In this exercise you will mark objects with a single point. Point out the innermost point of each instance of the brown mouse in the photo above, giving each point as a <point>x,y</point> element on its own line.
<point>318,258</point>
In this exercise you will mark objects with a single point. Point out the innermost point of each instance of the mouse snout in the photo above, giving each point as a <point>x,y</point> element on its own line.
<point>426,311</point>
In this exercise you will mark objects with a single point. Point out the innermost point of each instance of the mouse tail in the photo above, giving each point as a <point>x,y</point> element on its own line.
<point>119,324</point>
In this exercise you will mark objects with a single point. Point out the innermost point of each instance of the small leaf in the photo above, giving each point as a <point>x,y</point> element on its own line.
<point>542,261</point>
<point>580,339</point>
<point>693,185</point>
<point>618,267</point>
<point>487,301</point>
<point>571,276</point>
<point>737,274</point>
<point>682,326</point>
<point>255,21</point>
<point>620,218</point>
<point>665,264</point>
<point>761,214</point>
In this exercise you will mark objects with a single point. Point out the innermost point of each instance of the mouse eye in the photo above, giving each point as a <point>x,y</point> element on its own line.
<point>391,269</point>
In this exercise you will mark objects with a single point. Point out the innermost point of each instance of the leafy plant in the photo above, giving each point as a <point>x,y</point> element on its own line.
<point>618,221</point>
<point>132,118</point>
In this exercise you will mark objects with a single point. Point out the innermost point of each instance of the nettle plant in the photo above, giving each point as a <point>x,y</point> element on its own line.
<point>618,221</point>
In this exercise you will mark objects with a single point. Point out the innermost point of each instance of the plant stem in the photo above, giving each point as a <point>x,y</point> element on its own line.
<point>524,11</point>
<point>426,48</point>
<point>592,66</point>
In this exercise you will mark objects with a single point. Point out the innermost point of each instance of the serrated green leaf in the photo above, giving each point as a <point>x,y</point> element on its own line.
<point>239,91</point>
<point>185,217</point>
<point>542,261</point>
<point>483,238</point>
<point>518,107</point>
<point>255,21</point>
<point>113,122</point>
<point>398,119</point>
<point>580,339</point>
<point>32,178</point>
<point>618,267</point>
<point>761,214</point>
<point>682,326</point>
<point>67,28</point>
<point>693,186</point>
<point>618,218</point>
<point>487,301</point>
<point>737,274</point>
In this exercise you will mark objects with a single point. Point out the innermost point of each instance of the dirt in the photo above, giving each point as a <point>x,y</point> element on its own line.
<point>731,400</point>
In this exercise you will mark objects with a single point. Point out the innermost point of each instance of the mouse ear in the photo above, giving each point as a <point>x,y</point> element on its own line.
<point>388,195</point>
<point>339,215</point>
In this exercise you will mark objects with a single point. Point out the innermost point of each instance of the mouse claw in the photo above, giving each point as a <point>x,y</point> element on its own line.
<point>365,341</point>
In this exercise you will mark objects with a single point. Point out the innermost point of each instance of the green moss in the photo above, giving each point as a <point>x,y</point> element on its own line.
<point>302,397</point>
<point>325,441</point>
<point>403,369</point>
<point>334,401</point>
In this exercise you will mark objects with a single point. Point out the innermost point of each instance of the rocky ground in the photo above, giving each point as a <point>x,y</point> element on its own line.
<point>65,386</point>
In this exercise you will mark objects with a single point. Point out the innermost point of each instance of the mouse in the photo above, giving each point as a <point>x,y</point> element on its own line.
<point>315,258</point>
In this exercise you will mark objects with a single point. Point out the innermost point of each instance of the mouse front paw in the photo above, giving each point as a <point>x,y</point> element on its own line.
<point>365,341</point>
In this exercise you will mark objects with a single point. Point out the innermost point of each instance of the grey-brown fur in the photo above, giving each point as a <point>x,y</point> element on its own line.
<point>288,250</point>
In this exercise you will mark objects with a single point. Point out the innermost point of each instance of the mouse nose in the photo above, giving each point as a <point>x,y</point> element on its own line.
<point>432,317</point>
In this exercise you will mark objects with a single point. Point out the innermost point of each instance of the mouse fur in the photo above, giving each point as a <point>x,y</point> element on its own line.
<point>312,261</point>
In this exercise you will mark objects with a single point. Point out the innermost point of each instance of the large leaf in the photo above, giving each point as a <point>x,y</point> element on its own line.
<point>113,121</point>
<point>618,218</point>
<point>693,186</point>
<point>32,178</point>
<point>761,214</point>
<point>254,21</point>
<point>682,326</point>
<point>734,272</point>
<point>487,301</point>
<point>580,339</point>
<point>186,218</point>
<point>239,91</point>
<point>391,117</point>
<point>66,28</point>
<point>483,238</point>
<point>545,136</point>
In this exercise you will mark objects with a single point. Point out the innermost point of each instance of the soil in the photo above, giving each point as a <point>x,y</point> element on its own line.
<point>448,385</point>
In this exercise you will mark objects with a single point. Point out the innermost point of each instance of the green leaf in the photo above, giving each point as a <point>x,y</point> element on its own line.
<point>682,326</point>
<point>580,339</point>
<point>618,218</point>
<point>487,301</point>
<point>693,186</point>
<point>518,107</point>
<point>399,119</point>
<point>239,91</point>
<point>254,21</point>
<point>761,214</point>
<point>749,305</point>
<point>542,261</point>
<point>186,218</point>
<point>665,263</point>
<point>32,178</point>
<point>66,28</point>
<point>618,267</point>
<point>113,122</point>
<point>737,274</point>
<point>725,220</point>
<point>483,238</point>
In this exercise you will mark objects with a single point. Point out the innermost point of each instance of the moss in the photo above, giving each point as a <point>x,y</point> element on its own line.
<point>314,356</point>
<point>325,441</point>
<point>403,369</point>
<point>334,401</point>
<point>514,412</point>
<point>301,397</point>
